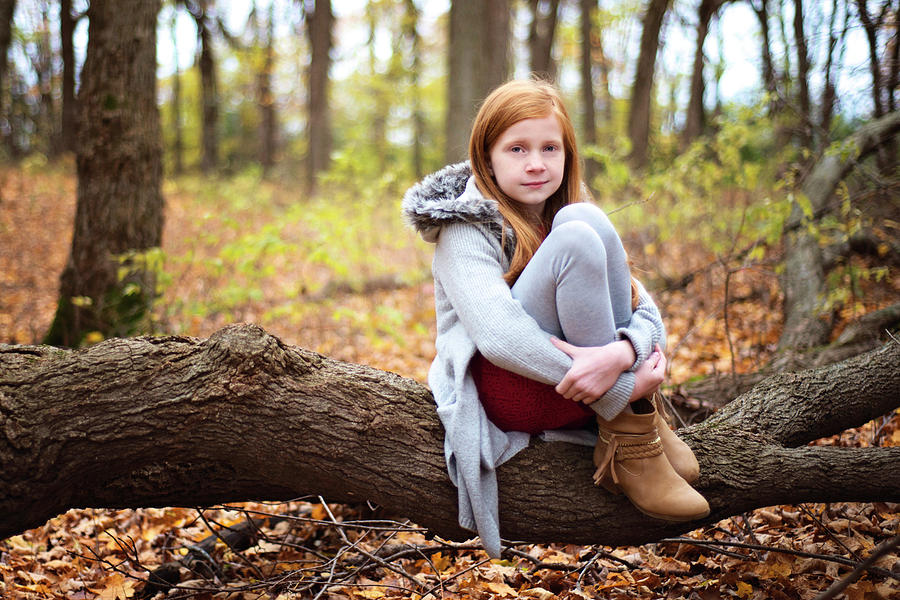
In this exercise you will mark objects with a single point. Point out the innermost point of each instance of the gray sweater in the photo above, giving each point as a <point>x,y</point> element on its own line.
<point>475,310</point>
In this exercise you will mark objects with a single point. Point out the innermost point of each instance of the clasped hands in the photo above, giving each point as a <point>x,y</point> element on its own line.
<point>595,370</point>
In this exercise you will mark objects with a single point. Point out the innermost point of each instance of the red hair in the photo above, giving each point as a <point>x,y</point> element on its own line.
<point>510,103</point>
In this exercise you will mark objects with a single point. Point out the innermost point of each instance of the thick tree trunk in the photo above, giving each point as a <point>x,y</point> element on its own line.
<point>803,280</point>
<point>209,94</point>
<point>180,421</point>
<point>319,24</point>
<point>478,62</point>
<point>119,163</point>
<point>642,90</point>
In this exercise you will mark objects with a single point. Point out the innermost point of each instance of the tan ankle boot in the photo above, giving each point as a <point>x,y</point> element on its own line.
<point>680,455</point>
<point>629,457</point>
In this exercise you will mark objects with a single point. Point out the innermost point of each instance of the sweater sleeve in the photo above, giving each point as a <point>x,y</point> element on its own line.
<point>645,329</point>
<point>467,266</point>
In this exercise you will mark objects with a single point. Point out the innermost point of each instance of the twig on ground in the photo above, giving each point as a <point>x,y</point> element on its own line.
<point>862,567</point>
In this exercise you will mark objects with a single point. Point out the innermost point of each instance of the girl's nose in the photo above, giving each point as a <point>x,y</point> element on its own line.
<point>535,164</point>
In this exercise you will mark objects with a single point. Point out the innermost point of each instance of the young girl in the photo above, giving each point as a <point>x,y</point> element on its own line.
<point>540,326</point>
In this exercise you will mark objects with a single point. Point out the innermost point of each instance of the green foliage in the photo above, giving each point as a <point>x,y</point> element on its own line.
<point>718,194</point>
<point>259,253</point>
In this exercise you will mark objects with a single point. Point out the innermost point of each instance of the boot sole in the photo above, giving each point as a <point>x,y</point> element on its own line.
<point>608,484</point>
<point>671,518</point>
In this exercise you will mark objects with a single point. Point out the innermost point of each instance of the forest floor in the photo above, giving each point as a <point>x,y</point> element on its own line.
<point>248,253</point>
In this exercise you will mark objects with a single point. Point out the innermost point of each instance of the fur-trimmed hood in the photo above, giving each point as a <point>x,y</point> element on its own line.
<point>444,197</point>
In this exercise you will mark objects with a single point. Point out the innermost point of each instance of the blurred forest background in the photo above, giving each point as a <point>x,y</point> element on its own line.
<point>173,167</point>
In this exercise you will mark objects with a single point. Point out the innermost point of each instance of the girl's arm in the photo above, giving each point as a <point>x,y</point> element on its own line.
<point>645,329</point>
<point>468,269</point>
<point>644,333</point>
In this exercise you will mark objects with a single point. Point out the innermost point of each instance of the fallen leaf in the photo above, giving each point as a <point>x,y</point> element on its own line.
<point>498,587</point>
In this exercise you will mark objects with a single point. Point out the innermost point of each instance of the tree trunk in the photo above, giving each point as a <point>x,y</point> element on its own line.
<point>46,135</point>
<point>871,30</point>
<point>319,24</point>
<point>588,100</point>
<point>803,280</point>
<point>7,11</point>
<point>887,156</point>
<point>696,117</point>
<point>829,89</point>
<point>770,80</point>
<point>179,421</point>
<point>119,167</point>
<point>478,62</point>
<point>642,90</point>
<point>494,61</point>
<point>380,92</point>
<point>177,129</point>
<point>69,123</point>
<point>803,65</point>
<point>410,28</point>
<point>268,122</point>
<point>540,36</point>
<point>209,93</point>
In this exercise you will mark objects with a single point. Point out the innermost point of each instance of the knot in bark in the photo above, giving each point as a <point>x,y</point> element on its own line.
<point>246,348</point>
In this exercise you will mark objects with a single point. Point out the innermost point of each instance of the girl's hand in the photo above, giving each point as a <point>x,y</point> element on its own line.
<point>650,375</point>
<point>594,369</point>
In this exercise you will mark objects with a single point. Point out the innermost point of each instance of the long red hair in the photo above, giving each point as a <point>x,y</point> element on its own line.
<point>510,103</point>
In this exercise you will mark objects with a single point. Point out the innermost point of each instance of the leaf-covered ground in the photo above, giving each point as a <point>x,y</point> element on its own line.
<point>348,282</point>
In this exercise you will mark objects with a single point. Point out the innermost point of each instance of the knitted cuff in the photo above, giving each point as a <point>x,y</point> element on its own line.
<point>639,342</point>
<point>615,400</point>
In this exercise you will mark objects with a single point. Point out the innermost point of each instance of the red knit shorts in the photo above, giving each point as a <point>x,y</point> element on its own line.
<point>515,403</point>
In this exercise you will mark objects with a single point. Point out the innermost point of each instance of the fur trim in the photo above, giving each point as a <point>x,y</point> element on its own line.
<point>440,199</point>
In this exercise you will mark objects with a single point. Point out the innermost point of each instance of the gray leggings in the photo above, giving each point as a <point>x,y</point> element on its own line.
<point>577,285</point>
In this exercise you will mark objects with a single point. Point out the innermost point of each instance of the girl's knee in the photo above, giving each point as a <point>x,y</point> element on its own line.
<point>579,211</point>
<point>595,218</point>
<point>577,238</point>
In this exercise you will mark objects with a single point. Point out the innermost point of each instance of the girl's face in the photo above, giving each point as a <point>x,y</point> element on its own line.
<point>528,161</point>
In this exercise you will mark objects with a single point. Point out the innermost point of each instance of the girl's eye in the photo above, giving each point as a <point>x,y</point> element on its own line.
<point>551,148</point>
<point>516,149</point>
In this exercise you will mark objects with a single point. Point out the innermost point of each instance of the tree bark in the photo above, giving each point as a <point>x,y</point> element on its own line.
<point>540,37</point>
<point>695,121</point>
<point>803,280</point>
<point>803,65</point>
<point>478,62</point>
<point>642,90</point>
<point>209,93</point>
<point>268,120</point>
<point>871,29</point>
<point>176,122</point>
<point>69,123</point>
<point>180,421</point>
<point>588,99</point>
<point>7,11</point>
<point>319,24</point>
<point>410,32</point>
<point>119,212</point>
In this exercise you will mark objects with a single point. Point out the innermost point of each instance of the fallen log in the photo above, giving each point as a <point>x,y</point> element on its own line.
<point>176,421</point>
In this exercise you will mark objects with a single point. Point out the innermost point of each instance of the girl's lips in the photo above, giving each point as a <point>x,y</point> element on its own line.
<point>534,184</point>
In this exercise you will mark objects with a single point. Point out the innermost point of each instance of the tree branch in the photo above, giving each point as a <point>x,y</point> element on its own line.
<point>184,422</point>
